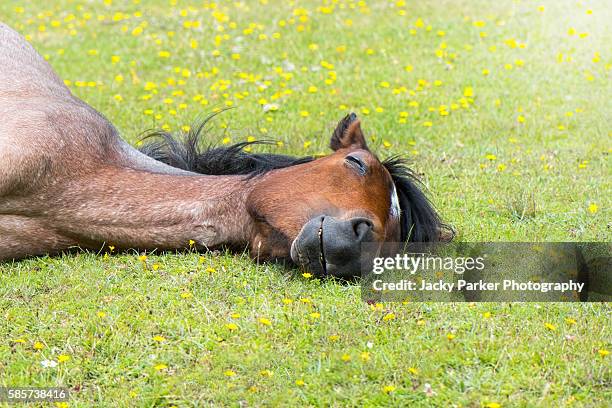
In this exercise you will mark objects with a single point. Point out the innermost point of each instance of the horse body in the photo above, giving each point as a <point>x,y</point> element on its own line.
<point>67,179</point>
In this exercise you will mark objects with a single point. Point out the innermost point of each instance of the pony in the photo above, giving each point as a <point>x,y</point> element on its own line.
<point>67,179</point>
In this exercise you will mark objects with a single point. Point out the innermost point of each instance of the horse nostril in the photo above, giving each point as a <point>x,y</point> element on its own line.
<point>361,227</point>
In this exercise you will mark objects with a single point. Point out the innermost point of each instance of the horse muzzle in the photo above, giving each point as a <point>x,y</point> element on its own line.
<point>329,246</point>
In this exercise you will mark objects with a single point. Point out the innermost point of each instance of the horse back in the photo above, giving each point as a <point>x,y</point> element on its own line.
<point>24,73</point>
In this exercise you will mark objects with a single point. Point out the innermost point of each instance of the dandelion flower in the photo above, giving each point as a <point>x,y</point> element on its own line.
<point>389,316</point>
<point>387,389</point>
<point>62,358</point>
<point>550,326</point>
<point>264,321</point>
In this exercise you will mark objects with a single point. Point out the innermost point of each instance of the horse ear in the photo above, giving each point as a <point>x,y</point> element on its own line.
<point>348,134</point>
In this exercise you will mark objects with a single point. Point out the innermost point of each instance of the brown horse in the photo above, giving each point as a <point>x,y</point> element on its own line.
<point>68,180</point>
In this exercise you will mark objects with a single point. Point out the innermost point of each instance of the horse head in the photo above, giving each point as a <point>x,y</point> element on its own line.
<point>318,211</point>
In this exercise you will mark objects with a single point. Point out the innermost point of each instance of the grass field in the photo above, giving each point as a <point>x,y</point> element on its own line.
<point>503,107</point>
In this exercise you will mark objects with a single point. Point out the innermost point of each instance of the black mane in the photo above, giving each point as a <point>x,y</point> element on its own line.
<point>419,220</point>
<point>185,151</point>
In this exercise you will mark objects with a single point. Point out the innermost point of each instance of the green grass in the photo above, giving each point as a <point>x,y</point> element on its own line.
<point>523,155</point>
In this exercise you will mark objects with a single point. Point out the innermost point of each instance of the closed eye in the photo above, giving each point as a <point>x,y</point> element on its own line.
<point>357,164</point>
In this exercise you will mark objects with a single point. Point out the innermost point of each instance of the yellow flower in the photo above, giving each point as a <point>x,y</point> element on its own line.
<point>413,371</point>
<point>486,315</point>
<point>265,373</point>
<point>264,321</point>
<point>142,258</point>
<point>593,208</point>
<point>468,92</point>
<point>307,275</point>
<point>388,389</point>
<point>334,337</point>
<point>231,326</point>
<point>160,367</point>
<point>186,295</point>
<point>300,383</point>
<point>603,352</point>
<point>38,346</point>
<point>101,314</point>
<point>450,336</point>
<point>315,315</point>
<point>345,357</point>
<point>287,301</point>
<point>159,338</point>
<point>229,373</point>
<point>389,316</point>
<point>62,358</point>
<point>492,405</point>
<point>569,320</point>
<point>365,356</point>
<point>550,326</point>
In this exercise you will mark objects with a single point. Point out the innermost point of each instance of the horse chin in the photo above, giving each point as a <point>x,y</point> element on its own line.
<point>307,248</point>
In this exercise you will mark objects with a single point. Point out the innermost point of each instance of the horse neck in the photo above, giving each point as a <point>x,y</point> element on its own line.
<point>139,209</point>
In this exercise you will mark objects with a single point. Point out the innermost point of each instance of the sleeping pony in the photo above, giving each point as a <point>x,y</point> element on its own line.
<point>68,180</point>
